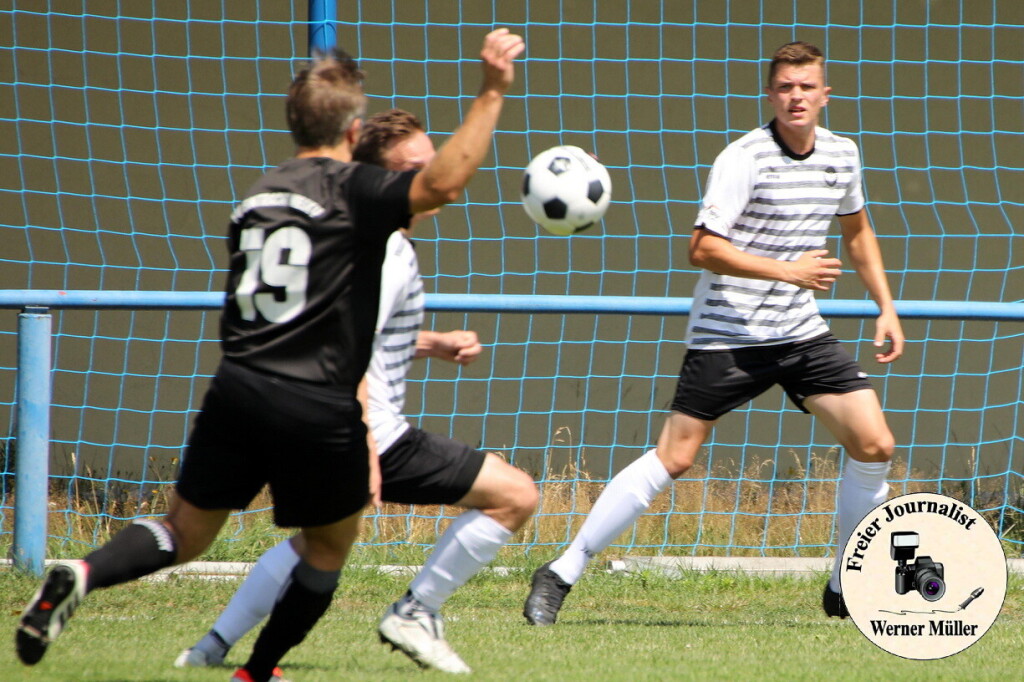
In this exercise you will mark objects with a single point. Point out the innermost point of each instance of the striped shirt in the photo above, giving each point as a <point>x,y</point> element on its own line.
<point>768,201</point>
<point>398,325</point>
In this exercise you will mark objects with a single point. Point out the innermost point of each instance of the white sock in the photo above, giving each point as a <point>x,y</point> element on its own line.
<point>861,489</point>
<point>257,595</point>
<point>470,543</point>
<point>618,507</point>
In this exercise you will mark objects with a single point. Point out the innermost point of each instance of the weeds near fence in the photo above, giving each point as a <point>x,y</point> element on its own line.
<point>705,513</point>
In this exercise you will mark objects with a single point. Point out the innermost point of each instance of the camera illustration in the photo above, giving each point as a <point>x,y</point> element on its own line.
<point>923,575</point>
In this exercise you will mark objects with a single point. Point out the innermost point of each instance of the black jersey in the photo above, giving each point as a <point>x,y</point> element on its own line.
<point>307,245</point>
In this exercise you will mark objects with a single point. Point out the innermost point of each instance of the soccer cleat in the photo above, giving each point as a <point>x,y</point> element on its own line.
<point>196,658</point>
<point>546,596</point>
<point>44,617</point>
<point>833,603</point>
<point>242,675</point>
<point>419,634</point>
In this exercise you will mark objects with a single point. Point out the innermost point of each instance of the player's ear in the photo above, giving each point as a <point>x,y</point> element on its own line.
<point>353,132</point>
<point>828,91</point>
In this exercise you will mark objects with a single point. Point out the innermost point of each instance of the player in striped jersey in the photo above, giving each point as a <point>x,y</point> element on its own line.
<point>416,467</point>
<point>760,239</point>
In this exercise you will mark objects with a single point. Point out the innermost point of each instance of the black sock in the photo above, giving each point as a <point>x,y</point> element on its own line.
<point>294,615</point>
<point>142,548</point>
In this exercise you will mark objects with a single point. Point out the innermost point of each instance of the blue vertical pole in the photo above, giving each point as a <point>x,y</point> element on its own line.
<point>323,25</point>
<point>33,456</point>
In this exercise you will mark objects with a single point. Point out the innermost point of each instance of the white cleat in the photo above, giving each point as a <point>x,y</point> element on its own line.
<point>196,658</point>
<point>419,634</point>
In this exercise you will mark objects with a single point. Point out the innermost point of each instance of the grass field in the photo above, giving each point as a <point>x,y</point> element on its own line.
<point>613,627</point>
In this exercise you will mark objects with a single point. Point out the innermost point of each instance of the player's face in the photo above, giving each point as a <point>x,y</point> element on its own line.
<point>413,152</point>
<point>798,94</point>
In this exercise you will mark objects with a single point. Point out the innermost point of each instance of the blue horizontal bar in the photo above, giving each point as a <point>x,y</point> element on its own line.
<point>508,303</point>
<point>104,300</point>
<point>650,305</point>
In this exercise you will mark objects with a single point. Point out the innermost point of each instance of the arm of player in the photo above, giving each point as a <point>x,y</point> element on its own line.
<point>448,173</point>
<point>460,346</point>
<point>812,270</point>
<point>363,394</point>
<point>862,247</point>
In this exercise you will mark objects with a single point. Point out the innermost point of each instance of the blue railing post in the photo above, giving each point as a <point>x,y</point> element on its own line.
<point>33,454</point>
<point>323,25</point>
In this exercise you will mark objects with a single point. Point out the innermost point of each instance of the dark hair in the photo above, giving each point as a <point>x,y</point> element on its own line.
<point>380,131</point>
<point>325,99</point>
<point>797,54</point>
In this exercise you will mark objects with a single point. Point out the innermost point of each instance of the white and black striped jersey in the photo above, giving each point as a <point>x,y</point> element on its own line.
<point>768,201</point>
<point>398,325</point>
<point>307,245</point>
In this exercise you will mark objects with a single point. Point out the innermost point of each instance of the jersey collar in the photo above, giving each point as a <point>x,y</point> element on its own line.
<point>783,146</point>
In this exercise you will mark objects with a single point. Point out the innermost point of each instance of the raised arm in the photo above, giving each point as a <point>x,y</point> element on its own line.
<point>448,173</point>
<point>862,248</point>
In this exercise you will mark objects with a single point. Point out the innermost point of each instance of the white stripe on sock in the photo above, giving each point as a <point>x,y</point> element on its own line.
<point>163,537</point>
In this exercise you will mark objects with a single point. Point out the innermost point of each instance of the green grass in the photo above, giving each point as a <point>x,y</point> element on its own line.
<point>613,627</point>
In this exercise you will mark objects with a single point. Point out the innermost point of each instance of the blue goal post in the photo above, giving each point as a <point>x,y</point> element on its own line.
<point>129,131</point>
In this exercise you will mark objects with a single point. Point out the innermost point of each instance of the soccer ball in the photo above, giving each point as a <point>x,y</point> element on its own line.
<point>566,190</point>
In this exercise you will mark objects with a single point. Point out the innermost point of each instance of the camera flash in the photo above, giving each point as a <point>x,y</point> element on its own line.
<point>905,539</point>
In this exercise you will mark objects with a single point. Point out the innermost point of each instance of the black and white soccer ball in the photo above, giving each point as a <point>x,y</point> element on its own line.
<point>566,190</point>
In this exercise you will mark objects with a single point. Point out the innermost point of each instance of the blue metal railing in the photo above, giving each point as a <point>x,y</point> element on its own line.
<point>508,303</point>
<point>34,359</point>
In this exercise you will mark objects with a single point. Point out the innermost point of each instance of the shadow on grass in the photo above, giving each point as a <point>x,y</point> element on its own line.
<point>694,623</point>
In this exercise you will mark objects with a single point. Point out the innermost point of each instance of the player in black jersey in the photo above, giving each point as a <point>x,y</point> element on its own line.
<point>297,327</point>
<point>416,467</point>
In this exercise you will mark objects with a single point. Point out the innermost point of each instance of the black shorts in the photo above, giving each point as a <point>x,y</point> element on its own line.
<point>424,468</point>
<point>306,440</point>
<point>714,382</point>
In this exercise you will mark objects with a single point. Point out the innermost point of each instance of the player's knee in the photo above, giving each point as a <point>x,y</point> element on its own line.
<point>885,448</point>
<point>522,496</point>
<point>326,547</point>
<point>880,448</point>
<point>676,460</point>
<point>190,539</point>
<point>517,500</point>
<point>678,467</point>
<point>324,556</point>
<point>680,440</point>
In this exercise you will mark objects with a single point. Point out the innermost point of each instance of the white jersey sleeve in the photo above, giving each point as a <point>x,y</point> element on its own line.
<point>729,189</point>
<point>854,199</point>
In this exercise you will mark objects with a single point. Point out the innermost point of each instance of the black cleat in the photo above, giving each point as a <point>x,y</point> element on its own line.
<point>546,596</point>
<point>833,603</point>
<point>45,616</point>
